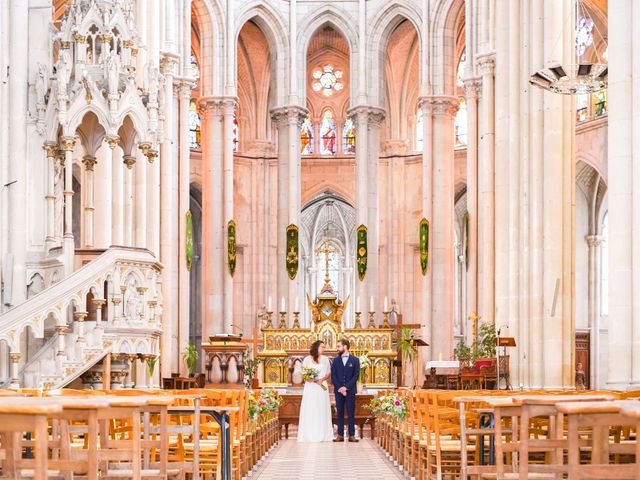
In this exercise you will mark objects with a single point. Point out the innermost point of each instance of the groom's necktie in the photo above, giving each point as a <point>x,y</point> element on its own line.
<point>345,358</point>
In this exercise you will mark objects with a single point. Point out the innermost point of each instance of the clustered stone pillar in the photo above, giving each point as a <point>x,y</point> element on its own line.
<point>594,243</point>
<point>68,144</point>
<point>229,106</point>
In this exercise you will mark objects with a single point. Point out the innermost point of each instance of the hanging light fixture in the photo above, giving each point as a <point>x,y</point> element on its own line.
<point>579,77</point>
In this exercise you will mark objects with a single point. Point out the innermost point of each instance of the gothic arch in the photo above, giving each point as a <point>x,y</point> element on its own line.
<point>208,15</point>
<point>443,46</point>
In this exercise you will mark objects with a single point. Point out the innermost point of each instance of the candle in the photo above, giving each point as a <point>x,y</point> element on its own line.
<point>358,304</point>
<point>297,309</point>
<point>283,305</point>
<point>386,305</point>
<point>371,307</point>
<point>440,356</point>
<point>269,304</point>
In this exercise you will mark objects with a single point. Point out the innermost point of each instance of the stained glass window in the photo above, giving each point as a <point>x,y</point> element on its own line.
<point>195,71</point>
<point>461,66</point>
<point>419,130</point>
<point>306,136</point>
<point>582,107</point>
<point>600,103</point>
<point>195,125</point>
<point>328,134</point>
<point>236,132</point>
<point>584,34</point>
<point>327,80</point>
<point>460,124</point>
<point>349,136</point>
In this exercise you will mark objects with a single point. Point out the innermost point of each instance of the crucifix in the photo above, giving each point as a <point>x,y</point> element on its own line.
<point>326,250</point>
<point>474,317</point>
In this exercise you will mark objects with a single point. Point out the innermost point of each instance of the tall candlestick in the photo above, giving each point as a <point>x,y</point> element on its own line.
<point>283,305</point>
<point>269,304</point>
<point>371,307</point>
<point>386,304</point>
<point>297,309</point>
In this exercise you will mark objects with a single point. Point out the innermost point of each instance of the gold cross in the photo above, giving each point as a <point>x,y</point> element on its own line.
<point>326,250</point>
<point>474,317</point>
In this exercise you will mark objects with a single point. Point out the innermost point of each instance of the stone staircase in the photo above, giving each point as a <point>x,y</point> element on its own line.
<point>110,305</point>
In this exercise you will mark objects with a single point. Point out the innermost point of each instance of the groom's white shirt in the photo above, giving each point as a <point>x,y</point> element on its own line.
<point>345,359</point>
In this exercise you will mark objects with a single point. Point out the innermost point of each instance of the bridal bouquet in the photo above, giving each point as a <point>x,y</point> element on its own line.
<point>310,374</point>
<point>392,405</point>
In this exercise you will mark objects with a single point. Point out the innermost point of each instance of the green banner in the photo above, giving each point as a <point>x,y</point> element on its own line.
<point>424,245</point>
<point>466,239</point>
<point>361,236</point>
<point>189,239</point>
<point>231,246</point>
<point>292,251</point>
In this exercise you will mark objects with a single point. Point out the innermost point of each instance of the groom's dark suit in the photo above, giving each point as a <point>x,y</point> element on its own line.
<point>345,374</point>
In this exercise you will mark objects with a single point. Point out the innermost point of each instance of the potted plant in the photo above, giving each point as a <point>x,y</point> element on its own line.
<point>486,343</point>
<point>407,350</point>
<point>250,370</point>
<point>462,351</point>
<point>190,356</point>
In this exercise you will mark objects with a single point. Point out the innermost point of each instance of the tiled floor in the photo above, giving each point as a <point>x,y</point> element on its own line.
<point>291,460</point>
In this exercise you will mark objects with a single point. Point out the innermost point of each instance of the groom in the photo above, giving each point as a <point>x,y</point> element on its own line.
<point>345,371</point>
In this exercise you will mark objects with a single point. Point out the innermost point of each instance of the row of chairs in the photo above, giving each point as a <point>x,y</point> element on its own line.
<point>437,437</point>
<point>146,436</point>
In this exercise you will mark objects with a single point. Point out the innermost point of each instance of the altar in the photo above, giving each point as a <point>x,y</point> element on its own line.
<point>286,346</point>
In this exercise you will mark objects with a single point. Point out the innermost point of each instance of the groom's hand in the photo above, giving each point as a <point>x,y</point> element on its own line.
<point>343,391</point>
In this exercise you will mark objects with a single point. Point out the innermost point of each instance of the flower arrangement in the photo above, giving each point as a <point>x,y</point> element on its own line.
<point>310,374</point>
<point>266,401</point>
<point>391,404</point>
<point>250,368</point>
<point>364,364</point>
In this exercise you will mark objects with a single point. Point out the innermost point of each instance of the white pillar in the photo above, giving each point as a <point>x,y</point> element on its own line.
<point>89,162</point>
<point>228,110</point>
<point>594,242</point>
<point>15,378</point>
<point>183,207</point>
<point>68,143</point>
<point>117,191</point>
<point>140,197</point>
<point>129,161</point>
<point>51,149</point>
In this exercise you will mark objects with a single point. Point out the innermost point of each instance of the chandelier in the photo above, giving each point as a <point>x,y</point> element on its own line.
<point>579,77</point>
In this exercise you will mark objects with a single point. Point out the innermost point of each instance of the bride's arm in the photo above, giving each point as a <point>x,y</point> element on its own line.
<point>325,360</point>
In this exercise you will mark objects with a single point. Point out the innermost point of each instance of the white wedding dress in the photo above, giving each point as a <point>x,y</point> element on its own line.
<point>315,424</point>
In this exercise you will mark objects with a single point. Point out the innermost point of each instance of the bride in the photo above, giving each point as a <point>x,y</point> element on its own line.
<point>315,423</point>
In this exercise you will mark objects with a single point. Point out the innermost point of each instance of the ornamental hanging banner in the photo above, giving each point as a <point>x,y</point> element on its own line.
<point>292,251</point>
<point>189,239</point>
<point>361,251</point>
<point>466,240</point>
<point>231,246</point>
<point>424,245</point>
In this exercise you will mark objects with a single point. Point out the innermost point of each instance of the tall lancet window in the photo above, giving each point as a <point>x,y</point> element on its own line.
<point>306,136</point>
<point>328,134</point>
<point>419,130</point>
<point>349,136</point>
<point>195,126</point>
<point>460,125</point>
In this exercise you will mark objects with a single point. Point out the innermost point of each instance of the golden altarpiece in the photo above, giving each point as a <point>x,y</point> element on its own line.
<point>284,346</point>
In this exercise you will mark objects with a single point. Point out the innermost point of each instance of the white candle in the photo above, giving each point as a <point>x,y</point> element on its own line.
<point>358,304</point>
<point>386,305</point>
<point>269,304</point>
<point>371,307</point>
<point>283,305</point>
<point>297,304</point>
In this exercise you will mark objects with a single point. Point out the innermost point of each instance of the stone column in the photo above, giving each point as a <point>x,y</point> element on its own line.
<point>229,106</point>
<point>51,148</point>
<point>212,216</point>
<point>442,231</point>
<point>68,144</point>
<point>61,330</point>
<point>183,206</point>
<point>89,162</point>
<point>79,318</point>
<point>15,361</point>
<point>117,192</point>
<point>471,90</point>
<point>140,201</point>
<point>594,243</point>
<point>129,161</point>
<point>99,303</point>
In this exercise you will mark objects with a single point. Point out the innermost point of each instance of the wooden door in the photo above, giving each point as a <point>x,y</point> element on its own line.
<point>583,356</point>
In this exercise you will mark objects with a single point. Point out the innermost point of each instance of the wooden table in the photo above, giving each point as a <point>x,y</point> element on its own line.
<point>18,417</point>
<point>632,410</point>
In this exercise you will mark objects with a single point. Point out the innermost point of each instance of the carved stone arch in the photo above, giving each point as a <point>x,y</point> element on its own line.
<point>443,41</point>
<point>208,16</point>
<point>91,133</point>
<point>76,117</point>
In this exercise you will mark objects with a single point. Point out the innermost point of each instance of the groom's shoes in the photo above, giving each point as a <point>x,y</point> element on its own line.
<point>353,440</point>
<point>338,439</point>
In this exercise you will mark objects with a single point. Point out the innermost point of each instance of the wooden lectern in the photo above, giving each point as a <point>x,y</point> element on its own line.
<point>503,368</point>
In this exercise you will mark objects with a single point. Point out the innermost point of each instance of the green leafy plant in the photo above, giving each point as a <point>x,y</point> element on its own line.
<point>250,368</point>
<point>486,343</point>
<point>190,356</point>
<point>462,351</point>
<point>151,365</point>
<point>407,349</point>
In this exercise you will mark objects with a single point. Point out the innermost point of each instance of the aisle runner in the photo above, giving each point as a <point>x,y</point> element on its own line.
<point>327,461</point>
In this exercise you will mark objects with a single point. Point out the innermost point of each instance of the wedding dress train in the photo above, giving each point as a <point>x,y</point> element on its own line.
<point>315,424</point>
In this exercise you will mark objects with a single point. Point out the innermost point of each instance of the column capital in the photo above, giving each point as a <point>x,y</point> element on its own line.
<point>112,140</point>
<point>486,62</point>
<point>51,149</point>
<point>373,115</point>
<point>168,63</point>
<point>185,88</point>
<point>229,105</point>
<point>89,162</point>
<point>439,104</point>
<point>99,303</point>
<point>129,160</point>
<point>15,357</point>
<point>68,143</point>
<point>210,106</point>
<point>472,87</point>
<point>593,240</point>
<point>80,316</point>
<point>288,114</point>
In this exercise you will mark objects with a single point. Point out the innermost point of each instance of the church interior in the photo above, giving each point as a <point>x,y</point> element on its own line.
<point>193,192</point>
